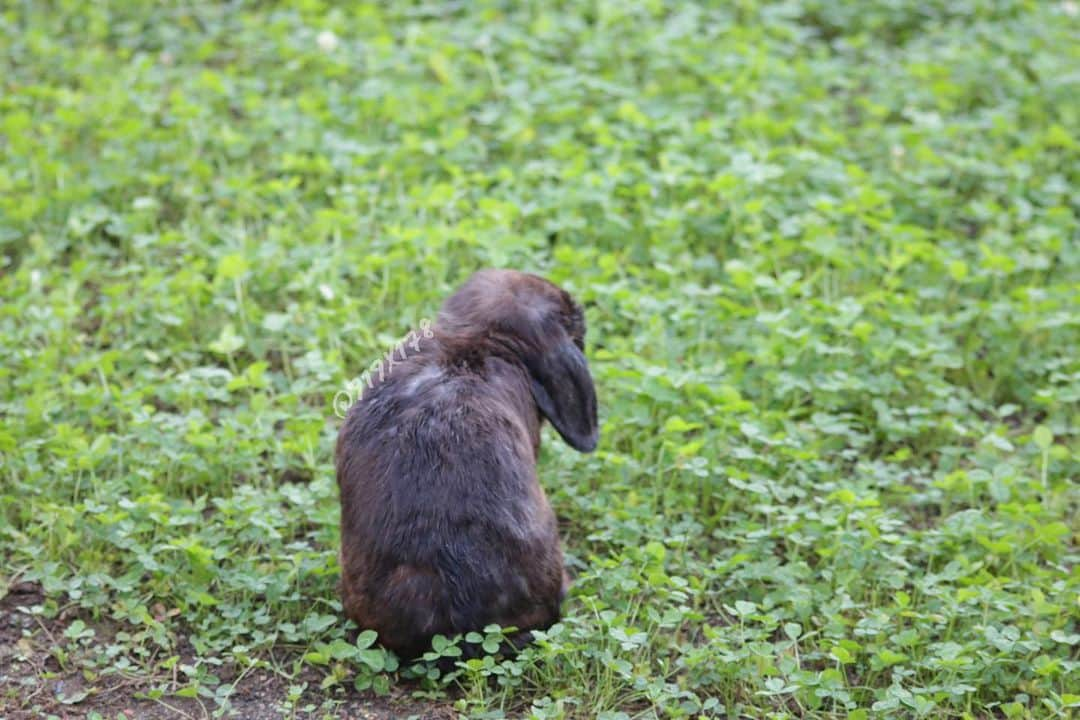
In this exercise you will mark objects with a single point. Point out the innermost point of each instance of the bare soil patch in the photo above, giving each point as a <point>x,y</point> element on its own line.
<point>33,684</point>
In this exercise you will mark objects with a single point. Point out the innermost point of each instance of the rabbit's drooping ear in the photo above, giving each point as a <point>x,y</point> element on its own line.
<point>564,392</point>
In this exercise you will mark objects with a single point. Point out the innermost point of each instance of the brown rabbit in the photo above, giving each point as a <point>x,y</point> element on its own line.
<point>444,526</point>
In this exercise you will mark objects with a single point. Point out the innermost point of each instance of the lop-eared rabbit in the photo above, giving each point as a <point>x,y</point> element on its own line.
<point>444,526</point>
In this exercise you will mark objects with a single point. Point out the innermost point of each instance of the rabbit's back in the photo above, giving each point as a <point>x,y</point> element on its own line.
<point>444,525</point>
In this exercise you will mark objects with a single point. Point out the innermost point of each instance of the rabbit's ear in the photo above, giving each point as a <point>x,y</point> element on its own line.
<point>563,390</point>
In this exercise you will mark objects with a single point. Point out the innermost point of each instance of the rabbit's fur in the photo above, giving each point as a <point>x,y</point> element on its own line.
<point>444,526</point>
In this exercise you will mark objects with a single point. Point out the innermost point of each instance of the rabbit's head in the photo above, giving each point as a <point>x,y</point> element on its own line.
<point>526,319</point>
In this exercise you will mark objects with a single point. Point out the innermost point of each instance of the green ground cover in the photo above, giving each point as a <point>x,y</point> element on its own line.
<point>830,256</point>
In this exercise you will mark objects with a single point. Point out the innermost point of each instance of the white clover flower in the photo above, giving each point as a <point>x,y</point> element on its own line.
<point>327,41</point>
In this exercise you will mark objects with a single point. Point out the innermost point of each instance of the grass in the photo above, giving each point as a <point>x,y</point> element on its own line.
<point>830,256</point>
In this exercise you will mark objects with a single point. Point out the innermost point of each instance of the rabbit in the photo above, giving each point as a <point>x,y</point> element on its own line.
<point>444,526</point>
